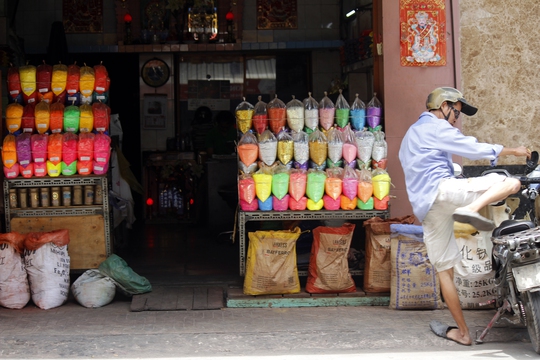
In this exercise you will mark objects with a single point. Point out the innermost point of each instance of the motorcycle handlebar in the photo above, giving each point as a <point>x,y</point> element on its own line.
<point>524,180</point>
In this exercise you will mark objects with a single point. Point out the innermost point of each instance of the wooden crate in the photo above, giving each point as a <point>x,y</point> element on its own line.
<point>87,247</point>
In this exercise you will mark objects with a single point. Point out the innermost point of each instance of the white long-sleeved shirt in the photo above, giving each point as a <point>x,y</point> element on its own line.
<point>426,158</point>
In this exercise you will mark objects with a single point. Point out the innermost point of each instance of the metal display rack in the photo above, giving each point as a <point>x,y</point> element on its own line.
<point>245,216</point>
<point>98,209</point>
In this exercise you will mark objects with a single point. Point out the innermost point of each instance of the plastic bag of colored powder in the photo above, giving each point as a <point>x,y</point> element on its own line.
<point>73,77</point>
<point>280,204</point>
<point>28,171</point>
<point>72,116</point>
<point>46,97</point>
<point>102,81</point>
<point>368,205</point>
<point>87,80</point>
<point>358,114</point>
<point>365,186</point>
<point>263,185</point>
<point>11,172</point>
<point>56,122</point>
<point>327,111</point>
<point>246,188</point>
<point>285,147</point>
<point>348,204</point>
<point>244,116</point>
<point>265,205</point>
<point>311,112</point>
<point>280,182</point>
<point>277,115</point>
<point>99,168</point>
<point>40,169</point>
<point>301,147</point>
<point>85,148</point>
<point>62,97</point>
<point>380,147</point>
<point>335,144</point>
<point>330,203</point>
<point>315,185</point>
<point>102,148</point>
<point>43,77</point>
<point>295,114</point>
<point>333,184</point>
<point>342,110</point>
<point>59,79</point>
<point>350,150</point>
<point>381,183</point>
<point>54,148</point>
<point>381,204</point>
<point>9,151</point>
<point>24,148</point>
<point>27,75</point>
<point>253,206</point>
<point>54,170</point>
<point>350,183</point>
<point>14,115</point>
<point>267,147</point>
<point>301,166</point>
<point>247,169</point>
<point>374,112</point>
<point>102,116</point>
<point>260,116</point>
<point>28,122</point>
<point>69,168</point>
<point>85,167</point>
<point>39,144</point>
<point>318,147</point>
<point>297,183</point>
<point>104,98</point>
<point>69,147</point>
<point>86,118</point>
<point>299,204</point>
<point>315,205</point>
<point>330,164</point>
<point>42,117</point>
<point>364,143</point>
<point>13,82</point>
<point>248,148</point>
<point>73,99</point>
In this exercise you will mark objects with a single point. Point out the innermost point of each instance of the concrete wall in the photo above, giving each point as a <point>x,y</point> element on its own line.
<point>499,56</point>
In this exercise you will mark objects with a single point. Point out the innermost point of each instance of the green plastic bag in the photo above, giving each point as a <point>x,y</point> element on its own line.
<point>280,182</point>
<point>315,185</point>
<point>125,278</point>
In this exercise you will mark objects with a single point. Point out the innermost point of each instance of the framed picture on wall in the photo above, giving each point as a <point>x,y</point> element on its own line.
<point>155,111</point>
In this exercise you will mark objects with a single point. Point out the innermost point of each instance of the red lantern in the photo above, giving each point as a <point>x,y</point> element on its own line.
<point>229,16</point>
<point>127,18</point>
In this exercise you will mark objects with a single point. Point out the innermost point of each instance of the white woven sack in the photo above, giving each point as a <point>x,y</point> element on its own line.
<point>93,289</point>
<point>14,288</point>
<point>48,274</point>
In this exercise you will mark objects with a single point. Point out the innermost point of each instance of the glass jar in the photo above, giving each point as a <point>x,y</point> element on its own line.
<point>55,196</point>
<point>66,195</point>
<point>77,195</point>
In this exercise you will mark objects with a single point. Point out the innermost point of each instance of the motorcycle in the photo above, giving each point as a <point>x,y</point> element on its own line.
<point>516,260</point>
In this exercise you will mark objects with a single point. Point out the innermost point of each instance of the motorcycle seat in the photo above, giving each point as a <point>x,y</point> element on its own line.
<point>512,226</point>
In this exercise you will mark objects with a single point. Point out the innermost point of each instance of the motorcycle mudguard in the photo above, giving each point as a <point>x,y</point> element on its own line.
<point>512,226</point>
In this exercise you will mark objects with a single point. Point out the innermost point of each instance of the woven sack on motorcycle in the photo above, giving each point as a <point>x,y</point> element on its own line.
<point>474,276</point>
<point>271,263</point>
<point>414,281</point>
<point>328,270</point>
<point>377,268</point>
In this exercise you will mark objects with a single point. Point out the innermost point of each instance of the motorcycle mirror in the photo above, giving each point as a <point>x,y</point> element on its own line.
<point>533,161</point>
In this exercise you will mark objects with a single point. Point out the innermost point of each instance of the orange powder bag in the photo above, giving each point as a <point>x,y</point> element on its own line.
<point>56,122</point>
<point>14,114</point>
<point>43,117</point>
<point>9,151</point>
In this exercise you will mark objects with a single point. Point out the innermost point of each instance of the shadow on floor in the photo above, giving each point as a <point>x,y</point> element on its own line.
<point>180,254</point>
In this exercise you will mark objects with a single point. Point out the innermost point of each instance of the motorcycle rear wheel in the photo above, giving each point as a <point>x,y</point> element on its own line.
<point>531,302</point>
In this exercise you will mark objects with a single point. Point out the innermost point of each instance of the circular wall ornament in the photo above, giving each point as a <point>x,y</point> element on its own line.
<point>155,72</point>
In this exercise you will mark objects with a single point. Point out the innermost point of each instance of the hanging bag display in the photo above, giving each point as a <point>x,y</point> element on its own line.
<point>43,78</point>
<point>14,115</point>
<point>260,116</point>
<point>295,115</point>
<point>87,82</point>
<point>56,123</point>
<point>9,151</point>
<point>244,116</point>
<point>342,111</point>
<point>39,144</point>
<point>285,147</point>
<point>86,118</point>
<point>59,79</point>
<point>73,77</point>
<point>248,149</point>
<point>43,117</point>
<point>318,147</point>
<point>358,114</point>
<point>311,112</point>
<point>335,144</point>
<point>54,148</point>
<point>24,149</point>
<point>374,113</point>
<point>267,148</point>
<point>327,111</point>
<point>277,115</point>
<point>102,81</point>
<point>102,116</point>
<point>13,82</point>
<point>28,80</point>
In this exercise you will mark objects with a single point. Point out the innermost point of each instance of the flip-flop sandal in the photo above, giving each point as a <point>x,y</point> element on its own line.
<point>441,329</point>
<point>475,219</point>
